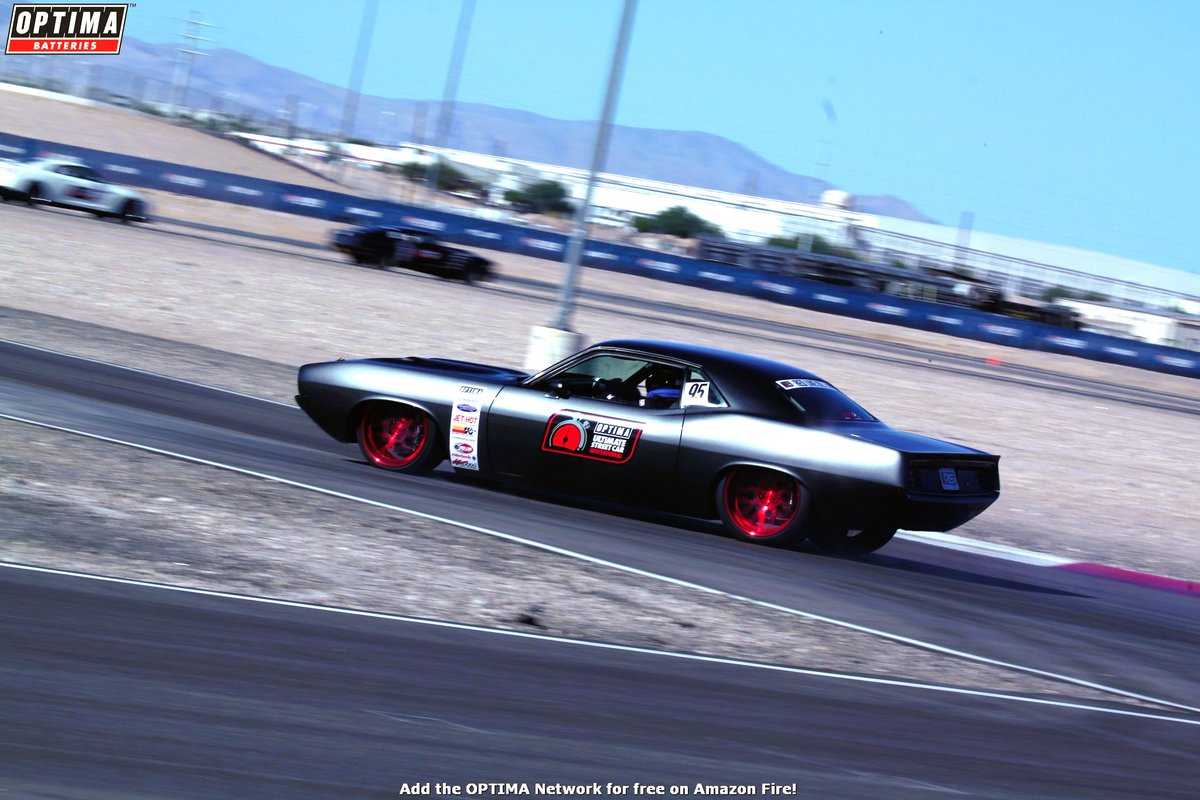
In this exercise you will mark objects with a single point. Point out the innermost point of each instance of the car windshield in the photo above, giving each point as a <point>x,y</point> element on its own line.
<point>818,401</point>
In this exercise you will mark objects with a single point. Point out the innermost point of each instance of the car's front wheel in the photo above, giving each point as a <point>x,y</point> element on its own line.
<point>35,194</point>
<point>131,211</point>
<point>762,505</point>
<point>399,437</point>
<point>475,272</point>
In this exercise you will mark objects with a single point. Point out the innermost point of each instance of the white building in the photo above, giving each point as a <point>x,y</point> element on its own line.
<point>1021,267</point>
<point>1153,327</point>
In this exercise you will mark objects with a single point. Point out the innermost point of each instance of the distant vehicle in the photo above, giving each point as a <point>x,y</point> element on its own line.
<point>69,183</point>
<point>775,452</point>
<point>383,246</point>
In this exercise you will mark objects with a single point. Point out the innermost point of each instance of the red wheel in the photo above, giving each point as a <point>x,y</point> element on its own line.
<point>398,437</point>
<point>762,505</point>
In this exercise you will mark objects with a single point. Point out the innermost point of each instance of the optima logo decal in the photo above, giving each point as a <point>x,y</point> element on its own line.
<point>586,436</point>
<point>66,29</point>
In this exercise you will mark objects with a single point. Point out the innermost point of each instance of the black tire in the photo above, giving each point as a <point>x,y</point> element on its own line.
<point>131,211</point>
<point>474,273</point>
<point>763,506</point>
<point>852,543</point>
<point>399,437</point>
<point>33,195</point>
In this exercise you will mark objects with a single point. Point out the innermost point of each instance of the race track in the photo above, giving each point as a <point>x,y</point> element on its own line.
<point>162,693</point>
<point>126,690</point>
<point>121,690</point>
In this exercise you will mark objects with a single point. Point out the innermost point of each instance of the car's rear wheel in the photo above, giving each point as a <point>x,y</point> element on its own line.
<point>762,505</point>
<point>399,437</point>
<point>842,542</point>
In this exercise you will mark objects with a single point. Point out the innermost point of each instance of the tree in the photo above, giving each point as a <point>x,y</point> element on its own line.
<point>1055,293</point>
<point>543,197</point>
<point>819,245</point>
<point>676,221</point>
<point>412,170</point>
<point>449,179</point>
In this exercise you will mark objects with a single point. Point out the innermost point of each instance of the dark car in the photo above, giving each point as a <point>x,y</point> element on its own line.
<point>775,452</point>
<point>384,246</point>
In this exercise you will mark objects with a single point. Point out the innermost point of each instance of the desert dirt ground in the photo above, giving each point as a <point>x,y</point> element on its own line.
<point>1085,478</point>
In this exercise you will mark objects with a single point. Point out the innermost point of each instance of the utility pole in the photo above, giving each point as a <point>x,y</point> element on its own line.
<point>185,59</point>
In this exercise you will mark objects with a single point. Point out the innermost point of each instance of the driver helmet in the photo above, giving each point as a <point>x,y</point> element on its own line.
<point>664,386</point>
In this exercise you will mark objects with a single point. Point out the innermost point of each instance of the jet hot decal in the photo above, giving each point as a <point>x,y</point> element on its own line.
<point>586,436</point>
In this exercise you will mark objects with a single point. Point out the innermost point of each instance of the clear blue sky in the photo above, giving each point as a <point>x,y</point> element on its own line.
<point>1067,121</point>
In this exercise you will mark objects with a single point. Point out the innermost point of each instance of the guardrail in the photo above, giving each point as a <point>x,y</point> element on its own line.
<point>494,235</point>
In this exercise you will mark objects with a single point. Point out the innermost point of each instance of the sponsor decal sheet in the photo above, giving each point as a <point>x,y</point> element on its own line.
<point>466,412</point>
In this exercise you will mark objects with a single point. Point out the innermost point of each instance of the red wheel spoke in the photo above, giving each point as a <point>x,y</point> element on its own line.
<point>394,436</point>
<point>761,502</point>
<point>399,429</point>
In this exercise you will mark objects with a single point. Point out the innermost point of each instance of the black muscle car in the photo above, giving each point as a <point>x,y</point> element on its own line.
<point>775,452</point>
<point>384,246</point>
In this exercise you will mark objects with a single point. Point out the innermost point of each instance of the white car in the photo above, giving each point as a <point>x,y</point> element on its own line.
<point>70,184</point>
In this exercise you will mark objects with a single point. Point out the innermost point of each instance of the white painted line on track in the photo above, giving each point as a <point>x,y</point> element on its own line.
<point>734,662</point>
<point>978,547</point>
<point>930,646</point>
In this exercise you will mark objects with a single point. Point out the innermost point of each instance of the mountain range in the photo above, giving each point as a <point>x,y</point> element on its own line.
<point>234,82</point>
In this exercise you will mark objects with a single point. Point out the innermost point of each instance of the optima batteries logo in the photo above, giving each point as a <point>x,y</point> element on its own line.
<point>66,29</point>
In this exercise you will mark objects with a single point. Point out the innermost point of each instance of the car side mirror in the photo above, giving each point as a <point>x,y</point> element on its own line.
<point>558,389</point>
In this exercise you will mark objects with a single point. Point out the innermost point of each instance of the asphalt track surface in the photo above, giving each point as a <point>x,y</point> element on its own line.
<point>127,691</point>
<point>116,690</point>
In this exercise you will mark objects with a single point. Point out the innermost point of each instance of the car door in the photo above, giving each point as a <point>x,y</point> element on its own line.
<point>576,434</point>
<point>78,186</point>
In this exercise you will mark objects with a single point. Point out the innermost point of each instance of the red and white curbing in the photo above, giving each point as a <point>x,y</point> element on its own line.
<point>1146,579</point>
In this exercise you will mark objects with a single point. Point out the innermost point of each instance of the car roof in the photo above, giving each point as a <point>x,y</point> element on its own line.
<point>747,381</point>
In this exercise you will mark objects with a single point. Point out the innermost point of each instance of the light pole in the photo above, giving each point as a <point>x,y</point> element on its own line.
<point>548,345</point>
<point>446,113</point>
<point>350,109</point>
<point>382,127</point>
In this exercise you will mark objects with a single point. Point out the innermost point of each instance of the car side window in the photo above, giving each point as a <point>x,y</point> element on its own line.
<point>619,379</point>
<point>699,391</point>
